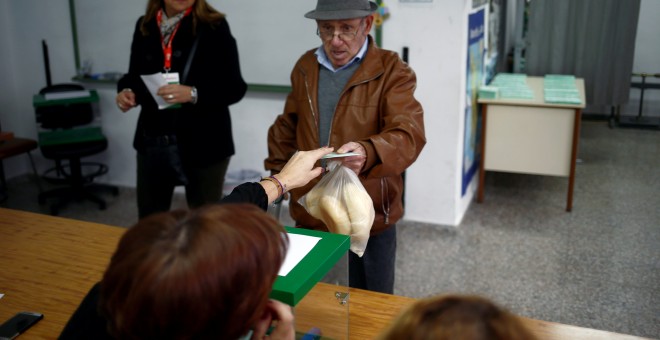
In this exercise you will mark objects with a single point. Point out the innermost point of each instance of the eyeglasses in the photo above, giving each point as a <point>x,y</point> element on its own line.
<point>344,35</point>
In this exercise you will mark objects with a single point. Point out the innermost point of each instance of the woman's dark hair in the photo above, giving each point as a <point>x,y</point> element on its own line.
<point>205,273</point>
<point>201,12</point>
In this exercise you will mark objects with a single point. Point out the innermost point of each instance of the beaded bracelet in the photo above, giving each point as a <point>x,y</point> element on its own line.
<point>283,186</point>
<point>278,185</point>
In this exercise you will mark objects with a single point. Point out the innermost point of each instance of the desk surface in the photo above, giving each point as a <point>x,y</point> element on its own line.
<point>49,263</point>
<point>536,84</point>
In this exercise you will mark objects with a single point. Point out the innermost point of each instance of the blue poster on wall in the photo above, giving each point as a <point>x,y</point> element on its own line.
<point>474,69</point>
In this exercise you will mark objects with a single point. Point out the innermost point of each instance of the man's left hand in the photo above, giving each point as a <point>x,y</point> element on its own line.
<point>354,163</point>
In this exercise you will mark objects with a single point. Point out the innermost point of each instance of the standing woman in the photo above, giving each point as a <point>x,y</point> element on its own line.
<point>190,142</point>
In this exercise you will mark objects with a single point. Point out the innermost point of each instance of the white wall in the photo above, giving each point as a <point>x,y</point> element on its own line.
<point>24,24</point>
<point>7,87</point>
<point>435,33</point>
<point>436,36</point>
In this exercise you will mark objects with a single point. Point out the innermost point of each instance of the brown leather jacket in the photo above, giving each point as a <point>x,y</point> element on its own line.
<point>376,109</point>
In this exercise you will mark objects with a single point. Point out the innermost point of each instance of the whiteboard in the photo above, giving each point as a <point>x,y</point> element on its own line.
<point>271,35</point>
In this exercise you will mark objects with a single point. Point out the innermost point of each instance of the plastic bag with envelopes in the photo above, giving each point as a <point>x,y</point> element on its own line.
<point>342,203</point>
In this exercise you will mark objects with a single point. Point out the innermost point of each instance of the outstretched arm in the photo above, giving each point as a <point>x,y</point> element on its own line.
<point>297,172</point>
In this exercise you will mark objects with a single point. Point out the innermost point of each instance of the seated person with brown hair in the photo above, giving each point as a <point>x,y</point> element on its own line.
<point>199,274</point>
<point>456,317</point>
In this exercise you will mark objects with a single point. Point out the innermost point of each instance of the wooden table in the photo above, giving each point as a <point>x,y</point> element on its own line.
<point>530,136</point>
<point>47,265</point>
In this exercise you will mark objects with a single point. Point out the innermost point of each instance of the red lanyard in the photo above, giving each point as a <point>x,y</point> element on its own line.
<point>167,49</point>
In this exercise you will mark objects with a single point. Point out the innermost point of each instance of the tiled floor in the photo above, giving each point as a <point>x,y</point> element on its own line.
<point>596,267</point>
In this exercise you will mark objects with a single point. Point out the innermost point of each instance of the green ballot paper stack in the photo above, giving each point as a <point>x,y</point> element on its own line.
<point>560,89</point>
<point>512,86</point>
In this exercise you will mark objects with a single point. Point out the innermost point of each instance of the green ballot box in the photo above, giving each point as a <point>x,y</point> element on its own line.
<point>293,287</point>
<point>317,286</point>
<point>66,101</point>
<point>65,98</point>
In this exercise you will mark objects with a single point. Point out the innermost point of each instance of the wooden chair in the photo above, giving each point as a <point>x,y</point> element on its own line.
<point>11,146</point>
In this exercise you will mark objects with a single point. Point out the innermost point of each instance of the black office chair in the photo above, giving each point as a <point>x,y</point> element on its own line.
<point>67,134</point>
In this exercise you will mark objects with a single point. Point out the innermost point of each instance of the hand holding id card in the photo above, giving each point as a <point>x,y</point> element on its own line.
<point>158,80</point>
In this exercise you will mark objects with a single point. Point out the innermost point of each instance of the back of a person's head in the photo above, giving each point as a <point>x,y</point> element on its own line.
<point>205,273</point>
<point>456,317</point>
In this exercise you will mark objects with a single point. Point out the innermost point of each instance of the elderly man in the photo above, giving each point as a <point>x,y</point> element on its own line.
<point>356,97</point>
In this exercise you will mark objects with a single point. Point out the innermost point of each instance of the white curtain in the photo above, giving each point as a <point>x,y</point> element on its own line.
<point>591,39</point>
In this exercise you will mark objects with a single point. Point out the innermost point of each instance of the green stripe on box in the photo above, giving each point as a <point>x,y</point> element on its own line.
<point>292,288</point>
<point>39,100</point>
<point>71,136</point>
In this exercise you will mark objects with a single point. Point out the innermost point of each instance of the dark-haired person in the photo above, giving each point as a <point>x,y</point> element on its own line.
<point>448,317</point>
<point>204,273</point>
<point>190,142</point>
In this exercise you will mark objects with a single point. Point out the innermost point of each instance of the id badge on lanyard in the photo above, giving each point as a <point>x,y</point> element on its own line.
<point>170,77</point>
